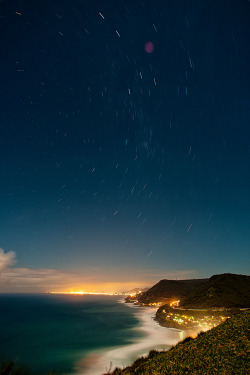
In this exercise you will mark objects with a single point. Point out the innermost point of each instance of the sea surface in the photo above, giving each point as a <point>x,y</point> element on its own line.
<point>78,335</point>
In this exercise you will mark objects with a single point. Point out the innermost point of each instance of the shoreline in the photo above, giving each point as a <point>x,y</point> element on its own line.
<point>154,336</point>
<point>158,321</point>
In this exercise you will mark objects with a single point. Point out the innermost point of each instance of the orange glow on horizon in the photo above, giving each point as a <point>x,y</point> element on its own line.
<point>107,288</point>
<point>81,293</point>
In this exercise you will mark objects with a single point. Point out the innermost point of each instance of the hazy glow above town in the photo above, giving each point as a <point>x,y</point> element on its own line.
<point>81,292</point>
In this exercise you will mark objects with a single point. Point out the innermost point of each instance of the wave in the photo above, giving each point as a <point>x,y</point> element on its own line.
<point>153,337</point>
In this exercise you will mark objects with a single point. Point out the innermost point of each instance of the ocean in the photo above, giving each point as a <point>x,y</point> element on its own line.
<point>77,335</point>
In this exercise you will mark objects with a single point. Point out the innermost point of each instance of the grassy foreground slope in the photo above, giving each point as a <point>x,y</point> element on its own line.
<point>224,349</point>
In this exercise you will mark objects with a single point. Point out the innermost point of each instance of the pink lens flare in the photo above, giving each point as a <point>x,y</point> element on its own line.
<point>149,47</point>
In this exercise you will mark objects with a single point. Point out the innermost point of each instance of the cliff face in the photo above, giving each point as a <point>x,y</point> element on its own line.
<point>166,290</point>
<point>225,290</point>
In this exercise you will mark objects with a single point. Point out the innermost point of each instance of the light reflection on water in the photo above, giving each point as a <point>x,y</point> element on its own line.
<point>154,337</point>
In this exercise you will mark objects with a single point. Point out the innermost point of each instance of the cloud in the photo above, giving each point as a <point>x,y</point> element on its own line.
<point>6,260</point>
<point>89,279</point>
<point>39,280</point>
<point>32,280</point>
<point>13,279</point>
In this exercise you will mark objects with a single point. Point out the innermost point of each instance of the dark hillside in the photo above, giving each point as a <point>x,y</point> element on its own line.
<point>225,290</point>
<point>166,290</point>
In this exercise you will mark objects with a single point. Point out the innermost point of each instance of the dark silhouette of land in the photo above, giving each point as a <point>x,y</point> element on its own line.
<point>224,290</point>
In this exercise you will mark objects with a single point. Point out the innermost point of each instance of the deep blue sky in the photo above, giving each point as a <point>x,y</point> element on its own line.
<point>115,160</point>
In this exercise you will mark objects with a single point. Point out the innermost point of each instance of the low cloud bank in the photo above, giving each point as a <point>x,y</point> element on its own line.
<point>95,279</point>
<point>29,280</point>
<point>6,260</point>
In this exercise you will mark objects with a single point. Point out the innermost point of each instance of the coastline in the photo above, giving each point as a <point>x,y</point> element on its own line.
<point>153,336</point>
<point>159,321</point>
<point>156,320</point>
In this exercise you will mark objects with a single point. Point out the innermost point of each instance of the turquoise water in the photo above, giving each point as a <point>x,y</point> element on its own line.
<point>78,335</point>
<point>53,332</point>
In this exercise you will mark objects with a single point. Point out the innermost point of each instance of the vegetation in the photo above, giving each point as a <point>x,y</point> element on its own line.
<point>192,319</point>
<point>222,350</point>
<point>11,368</point>
<point>166,290</point>
<point>225,290</point>
<point>221,291</point>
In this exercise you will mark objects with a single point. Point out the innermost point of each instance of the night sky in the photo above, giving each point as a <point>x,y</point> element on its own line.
<point>123,161</point>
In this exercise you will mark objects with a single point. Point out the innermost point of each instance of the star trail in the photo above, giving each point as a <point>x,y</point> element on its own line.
<point>125,140</point>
